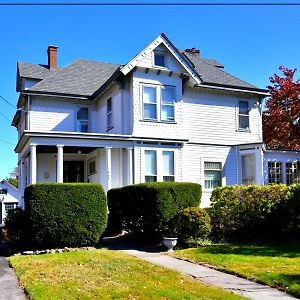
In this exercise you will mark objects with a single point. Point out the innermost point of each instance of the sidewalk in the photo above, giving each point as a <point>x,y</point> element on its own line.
<point>207,275</point>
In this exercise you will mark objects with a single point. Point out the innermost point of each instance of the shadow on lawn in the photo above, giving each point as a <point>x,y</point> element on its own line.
<point>279,250</point>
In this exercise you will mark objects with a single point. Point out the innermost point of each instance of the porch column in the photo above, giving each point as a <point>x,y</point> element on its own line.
<point>33,163</point>
<point>129,166</point>
<point>259,166</point>
<point>60,164</point>
<point>22,183</point>
<point>108,167</point>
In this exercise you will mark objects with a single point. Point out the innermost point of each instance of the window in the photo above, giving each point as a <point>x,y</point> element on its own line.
<point>248,169</point>
<point>3,191</point>
<point>109,121</point>
<point>243,115</point>
<point>159,59</point>
<point>167,104</point>
<point>274,172</point>
<point>82,121</point>
<point>212,174</point>
<point>168,166</point>
<point>92,167</point>
<point>162,110</point>
<point>9,206</point>
<point>292,172</point>
<point>150,166</point>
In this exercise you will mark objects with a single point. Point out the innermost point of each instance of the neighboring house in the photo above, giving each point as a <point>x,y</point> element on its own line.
<point>9,197</point>
<point>167,115</point>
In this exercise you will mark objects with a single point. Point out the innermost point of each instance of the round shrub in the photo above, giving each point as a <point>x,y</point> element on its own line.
<point>192,225</point>
<point>65,214</point>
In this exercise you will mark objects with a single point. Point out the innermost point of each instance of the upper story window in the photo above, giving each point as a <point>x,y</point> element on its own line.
<point>82,119</point>
<point>158,103</point>
<point>3,191</point>
<point>243,115</point>
<point>274,172</point>
<point>159,59</point>
<point>292,172</point>
<point>109,114</point>
<point>212,174</point>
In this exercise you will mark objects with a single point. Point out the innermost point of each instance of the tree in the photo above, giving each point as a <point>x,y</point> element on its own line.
<point>13,177</point>
<point>281,119</point>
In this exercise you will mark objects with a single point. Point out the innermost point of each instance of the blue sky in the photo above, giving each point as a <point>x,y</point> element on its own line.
<point>251,41</point>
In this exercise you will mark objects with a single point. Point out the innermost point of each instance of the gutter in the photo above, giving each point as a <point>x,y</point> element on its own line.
<point>59,95</point>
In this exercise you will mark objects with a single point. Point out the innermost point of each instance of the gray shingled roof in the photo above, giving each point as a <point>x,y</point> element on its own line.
<point>34,71</point>
<point>215,75</point>
<point>81,77</point>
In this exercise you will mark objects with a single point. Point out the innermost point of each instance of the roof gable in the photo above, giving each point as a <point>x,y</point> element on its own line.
<point>162,39</point>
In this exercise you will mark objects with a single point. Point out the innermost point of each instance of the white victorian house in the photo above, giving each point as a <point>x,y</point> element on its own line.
<point>167,115</point>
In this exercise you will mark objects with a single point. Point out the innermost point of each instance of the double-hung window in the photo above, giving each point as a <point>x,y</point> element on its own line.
<point>274,172</point>
<point>158,103</point>
<point>292,172</point>
<point>243,115</point>
<point>212,174</point>
<point>168,165</point>
<point>109,114</point>
<point>82,120</point>
<point>248,169</point>
<point>150,166</point>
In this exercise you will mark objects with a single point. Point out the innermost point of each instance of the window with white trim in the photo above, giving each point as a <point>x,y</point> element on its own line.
<point>159,59</point>
<point>109,114</point>
<point>3,191</point>
<point>92,167</point>
<point>243,115</point>
<point>292,172</point>
<point>212,174</point>
<point>274,172</point>
<point>150,166</point>
<point>248,169</point>
<point>158,103</point>
<point>168,166</point>
<point>82,119</point>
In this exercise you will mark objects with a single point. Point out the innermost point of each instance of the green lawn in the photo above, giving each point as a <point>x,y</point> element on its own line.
<point>106,274</point>
<point>274,265</point>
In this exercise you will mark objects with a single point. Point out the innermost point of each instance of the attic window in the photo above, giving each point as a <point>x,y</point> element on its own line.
<point>159,59</point>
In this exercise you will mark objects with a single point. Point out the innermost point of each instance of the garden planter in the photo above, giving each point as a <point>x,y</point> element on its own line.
<point>170,243</point>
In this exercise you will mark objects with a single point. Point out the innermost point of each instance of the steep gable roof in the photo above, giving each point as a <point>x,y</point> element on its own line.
<point>34,71</point>
<point>81,77</point>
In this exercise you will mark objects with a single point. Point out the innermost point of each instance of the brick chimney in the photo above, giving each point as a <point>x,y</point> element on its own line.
<point>193,51</point>
<point>52,57</point>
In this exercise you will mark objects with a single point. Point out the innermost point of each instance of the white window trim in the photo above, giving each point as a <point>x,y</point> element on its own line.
<point>238,116</point>
<point>282,169</point>
<point>89,121</point>
<point>212,159</point>
<point>91,160</point>
<point>109,126</point>
<point>159,162</point>
<point>159,52</point>
<point>159,105</point>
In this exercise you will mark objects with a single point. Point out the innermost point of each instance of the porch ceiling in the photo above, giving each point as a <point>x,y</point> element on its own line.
<point>67,149</point>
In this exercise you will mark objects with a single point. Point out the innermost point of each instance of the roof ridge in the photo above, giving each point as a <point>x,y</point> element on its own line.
<point>96,61</point>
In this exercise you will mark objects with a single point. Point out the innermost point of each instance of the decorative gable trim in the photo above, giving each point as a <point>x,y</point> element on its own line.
<point>162,39</point>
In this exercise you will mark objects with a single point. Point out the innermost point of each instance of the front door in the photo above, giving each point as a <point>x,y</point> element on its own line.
<point>73,171</point>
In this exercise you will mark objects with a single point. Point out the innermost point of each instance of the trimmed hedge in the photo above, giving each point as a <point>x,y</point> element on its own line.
<point>255,211</point>
<point>148,208</point>
<point>65,214</point>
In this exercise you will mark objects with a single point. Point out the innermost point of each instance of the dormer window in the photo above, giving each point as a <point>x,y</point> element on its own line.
<point>159,59</point>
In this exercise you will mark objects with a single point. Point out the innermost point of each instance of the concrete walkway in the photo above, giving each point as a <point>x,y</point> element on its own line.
<point>228,282</point>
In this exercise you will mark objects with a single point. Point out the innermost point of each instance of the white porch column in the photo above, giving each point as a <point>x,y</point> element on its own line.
<point>22,183</point>
<point>129,166</point>
<point>259,166</point>
<point>33,163</point>
<point>108,167</point>
<point>60,164</point>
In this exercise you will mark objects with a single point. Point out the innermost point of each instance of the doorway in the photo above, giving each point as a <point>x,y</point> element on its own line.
<point>73,171</point>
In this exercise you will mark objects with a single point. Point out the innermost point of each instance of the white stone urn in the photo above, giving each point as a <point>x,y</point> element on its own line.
<point>170,243</point>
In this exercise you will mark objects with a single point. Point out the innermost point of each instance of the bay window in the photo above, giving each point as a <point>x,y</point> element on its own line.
<point>274,172</point>
<point>158,103</point>
<point>292,172</point>
<point>168,166</point>
<point>82,119</point>
<point>248,169</point>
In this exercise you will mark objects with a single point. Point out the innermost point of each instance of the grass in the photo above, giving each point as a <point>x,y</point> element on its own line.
<point>274,265</point>
<point>106,274</point>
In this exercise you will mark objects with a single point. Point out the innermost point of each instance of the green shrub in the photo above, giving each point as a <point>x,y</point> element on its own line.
<point>148,208</point>
<point>13,231</point>
<point>70,214</point>
<point>192,225</point>
<point>255,211</point>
